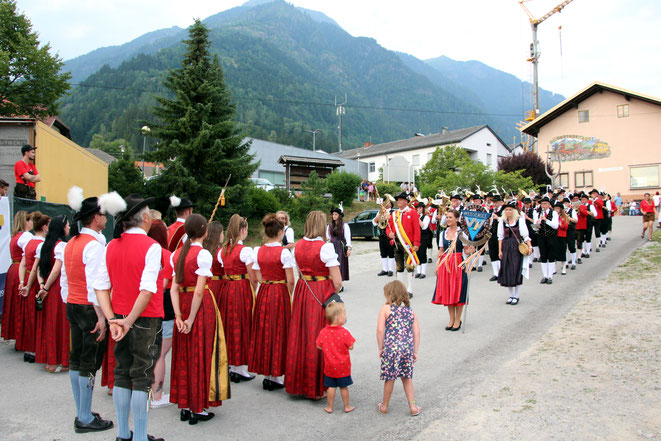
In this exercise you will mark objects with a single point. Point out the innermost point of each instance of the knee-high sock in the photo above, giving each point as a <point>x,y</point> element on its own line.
<point>516,291</point>
<point>410,284</point>
<point>573,258</point>
<point>480,260</point>
<point>121,397</point>
<point>418,269</point>
<point>423,268</point>
<point>589,247</point>
<point>511,290</point>
<point>391,264</point>
<point>86,387</point>
<point>545,272</point>
<point>384,263</point>
<point>551,269</point>
<point>140,409</point>
<point>496,267</point>
<point>535,252</point>
<point>75,388</point>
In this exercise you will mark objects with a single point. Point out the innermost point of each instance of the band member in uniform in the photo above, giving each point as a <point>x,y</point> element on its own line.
<point>586,212</point>
<point>386,248</point>
<point>647,208</point>
<point>273,266</point>
<point>606,221</point>
<point>561,242</point>
<point>547,219</point>
<point>571,231</point>
<point>83,254</point>
<point>404,230</point>
<point>425,240</point>
<point>477,200</point>
<point>135,313</point>
<point>496,213</point>
<point>433,227</point>
<point>176,234</point>
<point>512,230</point>
<point>527,214</point>
<point>288,241</point>
<point>598,204</point>
<point>319,279</point>
<point>339,234</point>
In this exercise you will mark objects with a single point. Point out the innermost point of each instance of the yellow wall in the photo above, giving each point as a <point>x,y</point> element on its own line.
<point>62,163</point>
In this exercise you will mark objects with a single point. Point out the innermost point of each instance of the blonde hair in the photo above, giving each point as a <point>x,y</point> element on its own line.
<point>20,218</point>
<point>334,310</point>
<point>286,215</point>
<point>234,227</point>
<point>515,216</point>
<point>155,214</point>
<point>395,293</point>
<point>315,225</point>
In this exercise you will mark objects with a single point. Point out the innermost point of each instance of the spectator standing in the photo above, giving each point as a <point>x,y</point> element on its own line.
<point>26,174</point>
<point>618,202</point>
<point>657,206</point>
<point>647,207</point>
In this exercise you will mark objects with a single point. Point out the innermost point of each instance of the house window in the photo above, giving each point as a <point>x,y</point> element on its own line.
<point>429,155</point>
<point>416,160</point>
<point>564,180</point>
<point>623,111</point>
<point>488,159</point>
<point>583,116</point>
<point>583,179</point>
<point>644,176</point>
<point>372,167</point>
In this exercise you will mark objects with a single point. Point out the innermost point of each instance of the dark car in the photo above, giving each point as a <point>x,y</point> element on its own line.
<point>361,225</point>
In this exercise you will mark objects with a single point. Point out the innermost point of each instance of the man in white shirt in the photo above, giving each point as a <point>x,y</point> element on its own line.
<point>548,222</point>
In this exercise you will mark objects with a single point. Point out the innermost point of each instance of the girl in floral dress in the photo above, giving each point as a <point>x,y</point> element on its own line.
<point>398,337</point>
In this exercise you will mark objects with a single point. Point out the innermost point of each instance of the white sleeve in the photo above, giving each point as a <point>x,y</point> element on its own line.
<point>204,262</point>
<point>434,217</point>
<point>425,222</point>
<point>174,272</point>
<point>593,210</point>
<point>37,253</point>
<point>523,229</point>
<point>219,258</point>
<point>59,251</point>
<point>289,234</point>
<point>328,232</point>
<point>501,230</point>
<point>24,239</point>
<point>574,215</point>
<point>328,255</point>
<point>535,216</point>
<point>246,255</point>
<point>374,221</point>
<point>152,268</point>
<point>347,234</point>
<point>64,282</point>
<point>286,259</point>
<point>96,270</point>
<point>554,222</point>
<point>255,265</point>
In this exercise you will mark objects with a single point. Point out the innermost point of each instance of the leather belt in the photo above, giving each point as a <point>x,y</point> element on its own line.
<point>315,278</point>
<point>235,277</point>
<point>191,288</point>
<point>273,282</point>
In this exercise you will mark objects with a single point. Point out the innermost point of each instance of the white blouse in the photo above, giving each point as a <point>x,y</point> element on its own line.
<point>327,253</point>
<point>204,262</point>
<point>347,233</point>
<point>245,256</point>
<point>286,258</point>
<point>524,234</point>
<point>23,240</point>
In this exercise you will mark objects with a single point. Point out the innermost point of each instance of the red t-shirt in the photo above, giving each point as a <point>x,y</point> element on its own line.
<point>646,207</point>
<point>20,168</point>
<point>335,342</point>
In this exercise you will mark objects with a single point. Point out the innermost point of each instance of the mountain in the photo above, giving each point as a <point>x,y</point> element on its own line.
<point>284,66</point>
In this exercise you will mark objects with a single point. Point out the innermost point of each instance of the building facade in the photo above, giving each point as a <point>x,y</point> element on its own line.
<point>400,160</point>
<point>603,137</point>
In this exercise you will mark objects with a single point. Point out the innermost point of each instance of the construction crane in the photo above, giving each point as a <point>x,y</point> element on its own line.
<point>535,53</point>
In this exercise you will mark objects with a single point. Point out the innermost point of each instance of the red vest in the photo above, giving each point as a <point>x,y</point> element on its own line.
<point>432,226</point>
<point>175,234</point>
<point>562,227</point>
<point>15,251</point>
<point>125,260</point>
<point>166,270</point>
<point>75,268</point>
<point>582,223</point>
<point>308,257</point>
<point>30,250</point>
<point>410,223</point>
<point>190,265</point>
<point>232,263</point>
<point>599,205</point>
<point>216,267</point>
<point>270,265</point>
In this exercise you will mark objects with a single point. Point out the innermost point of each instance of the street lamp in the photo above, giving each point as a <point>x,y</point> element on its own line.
<point>314,133</point>
<point>145,131</point>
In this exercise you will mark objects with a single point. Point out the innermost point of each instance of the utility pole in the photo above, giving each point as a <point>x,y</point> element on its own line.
<point>314,133</point>
<point>339,110</point>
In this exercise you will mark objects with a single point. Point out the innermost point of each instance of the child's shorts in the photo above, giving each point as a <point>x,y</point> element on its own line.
<point>337,382</point>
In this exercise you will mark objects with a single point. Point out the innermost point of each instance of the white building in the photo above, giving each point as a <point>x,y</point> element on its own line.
<point>481,143</point>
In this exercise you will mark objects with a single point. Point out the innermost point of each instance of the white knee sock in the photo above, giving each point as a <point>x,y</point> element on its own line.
<point>496,267</point>
<point>410,287</point>
<point>424,269</point>
<point>535,252</point>
<point>551,269</point>
<point>391,264</point>
<point>573,258</point>
<point>480,260</point>
<point>589,244</point>
<point>544,269</point>
<point>516,291</point>
<point>384,263</point>
<point>511,290</point>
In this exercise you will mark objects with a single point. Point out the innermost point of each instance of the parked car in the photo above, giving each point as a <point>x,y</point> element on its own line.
<point>262,183</point>
<point>361,225</point>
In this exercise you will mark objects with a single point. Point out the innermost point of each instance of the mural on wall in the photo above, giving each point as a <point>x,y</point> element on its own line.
<point>577,148</point>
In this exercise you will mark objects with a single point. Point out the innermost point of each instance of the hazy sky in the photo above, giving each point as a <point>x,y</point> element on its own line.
<point>615,41</point>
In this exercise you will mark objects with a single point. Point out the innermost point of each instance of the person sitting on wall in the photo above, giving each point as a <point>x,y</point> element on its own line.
<point>26,174</point>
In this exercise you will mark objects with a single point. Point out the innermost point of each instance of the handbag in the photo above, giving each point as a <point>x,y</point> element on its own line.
<point>523,247</point>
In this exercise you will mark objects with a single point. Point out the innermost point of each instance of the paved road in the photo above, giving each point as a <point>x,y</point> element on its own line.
<point>37,406</point>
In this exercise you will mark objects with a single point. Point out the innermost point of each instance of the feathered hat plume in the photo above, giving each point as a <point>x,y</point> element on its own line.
<point>75,197</point>
<point>175,201</point>
<point>112,203</point>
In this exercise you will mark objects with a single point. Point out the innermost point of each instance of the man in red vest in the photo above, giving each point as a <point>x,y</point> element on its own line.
<point>176,234</point>
<point>598,202</point>
<point>130,269</point>
<point>410,229</point>
<point>82,256</point>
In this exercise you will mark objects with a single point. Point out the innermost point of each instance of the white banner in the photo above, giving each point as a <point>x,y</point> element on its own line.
<point>5,238</point>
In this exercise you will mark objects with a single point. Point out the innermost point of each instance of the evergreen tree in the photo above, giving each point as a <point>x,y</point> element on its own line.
<point>30,77</point>
<point>198,140</point>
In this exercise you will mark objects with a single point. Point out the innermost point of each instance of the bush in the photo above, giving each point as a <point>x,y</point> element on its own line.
<point>261,202</point>
<point>387,188</point>
<point>343,187</point>
<point>530,164</point>
<point>283,196</point>
<point>311,198</point>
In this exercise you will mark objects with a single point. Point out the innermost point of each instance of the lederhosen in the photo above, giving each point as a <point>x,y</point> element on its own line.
<point>547,241</point>
<point>606,221</point>
<point>386,249</point>
<point>425,242</point>
<point>493,240</point>
<point>596,223</point>
<point>571,233</point>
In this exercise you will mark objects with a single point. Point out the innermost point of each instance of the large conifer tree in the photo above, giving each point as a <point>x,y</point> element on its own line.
<point>198,139</point>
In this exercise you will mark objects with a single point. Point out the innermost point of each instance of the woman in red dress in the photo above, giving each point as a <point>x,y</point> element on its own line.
<point>52,341</point>
<point>451,281</point>
<point>212,244</point>
<point>199,376</point>
<point>273,268</point>
<point>321,278</point>
<point>237,297</point>
<point>26,326</point>
<point>20,237</point>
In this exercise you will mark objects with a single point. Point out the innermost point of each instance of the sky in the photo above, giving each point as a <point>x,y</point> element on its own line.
<point>614,41</point>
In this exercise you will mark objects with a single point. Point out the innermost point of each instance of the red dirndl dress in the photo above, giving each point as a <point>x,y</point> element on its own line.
<point>237,301</point>
<point>304,372</point>
<point>26,325</point>
<point>270,322</point>
<point>52,324</point>
<point>451,281</point>
<point>199,376</point>
<point>10,302</point>
<point>108,364</point>
<point>217,281</point>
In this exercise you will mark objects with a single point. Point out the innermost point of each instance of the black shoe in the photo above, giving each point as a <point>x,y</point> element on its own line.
<point>484,263</point>
<point>240,377</point>
<point>549,281</point>
<point>457,328</point>
<point>608,238</point>
<point>448,328</point>
<point>97,425</point>
<point>429,261</point>
<point>197,417</point>
<point>389,273</point>
<point>530,266</point>
<point>509,301</point>
<point>266,385</point>
<point>598,250</point>
<point>275,385</point>
<point>515,301</point>
<point>410,295</point>
<point>479,269</point>
<point>153,438</point>
<point>587,256</point>
<point>493,279</point>
<point>383,273</point>
<point>149,437</point>
<point>417,276</point>
<point>422,276</point>
<point>28,358</point>
<point>126,439</point>
<point>543,281</point>
<point>184,415</point>
<point>573,267</point>
<point>579,261</point>
<point>341,290</point>
<point>534,259</point>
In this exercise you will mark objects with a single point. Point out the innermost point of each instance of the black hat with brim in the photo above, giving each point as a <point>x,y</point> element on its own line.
<point>455,196</point>
<point>134,203</point>
<point>546,199</point>
<point>89,207</point>
<point>402,195</point>
<point>185,203</point>
<point>477,196</point>
<point>527,200</point>
<point>594,190</point>
<point>511,204</point>
<point>337,210</point>
<point>497,198</point>
<point>583,195</point>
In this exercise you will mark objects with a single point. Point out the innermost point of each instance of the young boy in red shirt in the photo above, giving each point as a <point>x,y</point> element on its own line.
<point>336,342</point>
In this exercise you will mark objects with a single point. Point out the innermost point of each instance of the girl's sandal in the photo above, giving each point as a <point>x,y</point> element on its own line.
<point>378,406</point>
<point>418,409</point>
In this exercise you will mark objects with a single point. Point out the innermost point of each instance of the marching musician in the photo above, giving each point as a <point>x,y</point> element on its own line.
<point>547,219</point>
<point>496,214</point>
<point>404,232</point>
<point>386,248</point>
<point>425,239</point>
<point>527,214</point>
<point>176,234</point>
<point>598,204</point>
<point>571,231</point>
<point>477,200</point>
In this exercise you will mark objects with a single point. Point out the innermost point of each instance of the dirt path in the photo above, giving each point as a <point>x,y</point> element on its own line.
<point>596,375</point>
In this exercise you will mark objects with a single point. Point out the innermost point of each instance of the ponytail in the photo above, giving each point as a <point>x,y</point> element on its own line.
<point>181,262</point>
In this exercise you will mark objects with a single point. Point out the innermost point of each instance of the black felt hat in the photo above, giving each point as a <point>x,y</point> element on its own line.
<point>594,190</point>
<point>583,195</point>
<point>337,210</point>
<point>89,207</point>
<point>185,203</point>
<point>134,203</point>
<point>402,195</point>
<point>455,196</point>
<point>527,200</point>
<point>477,196</point>
<point>511,204</point>
<point>546,199</point>
<point>497,198</point>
